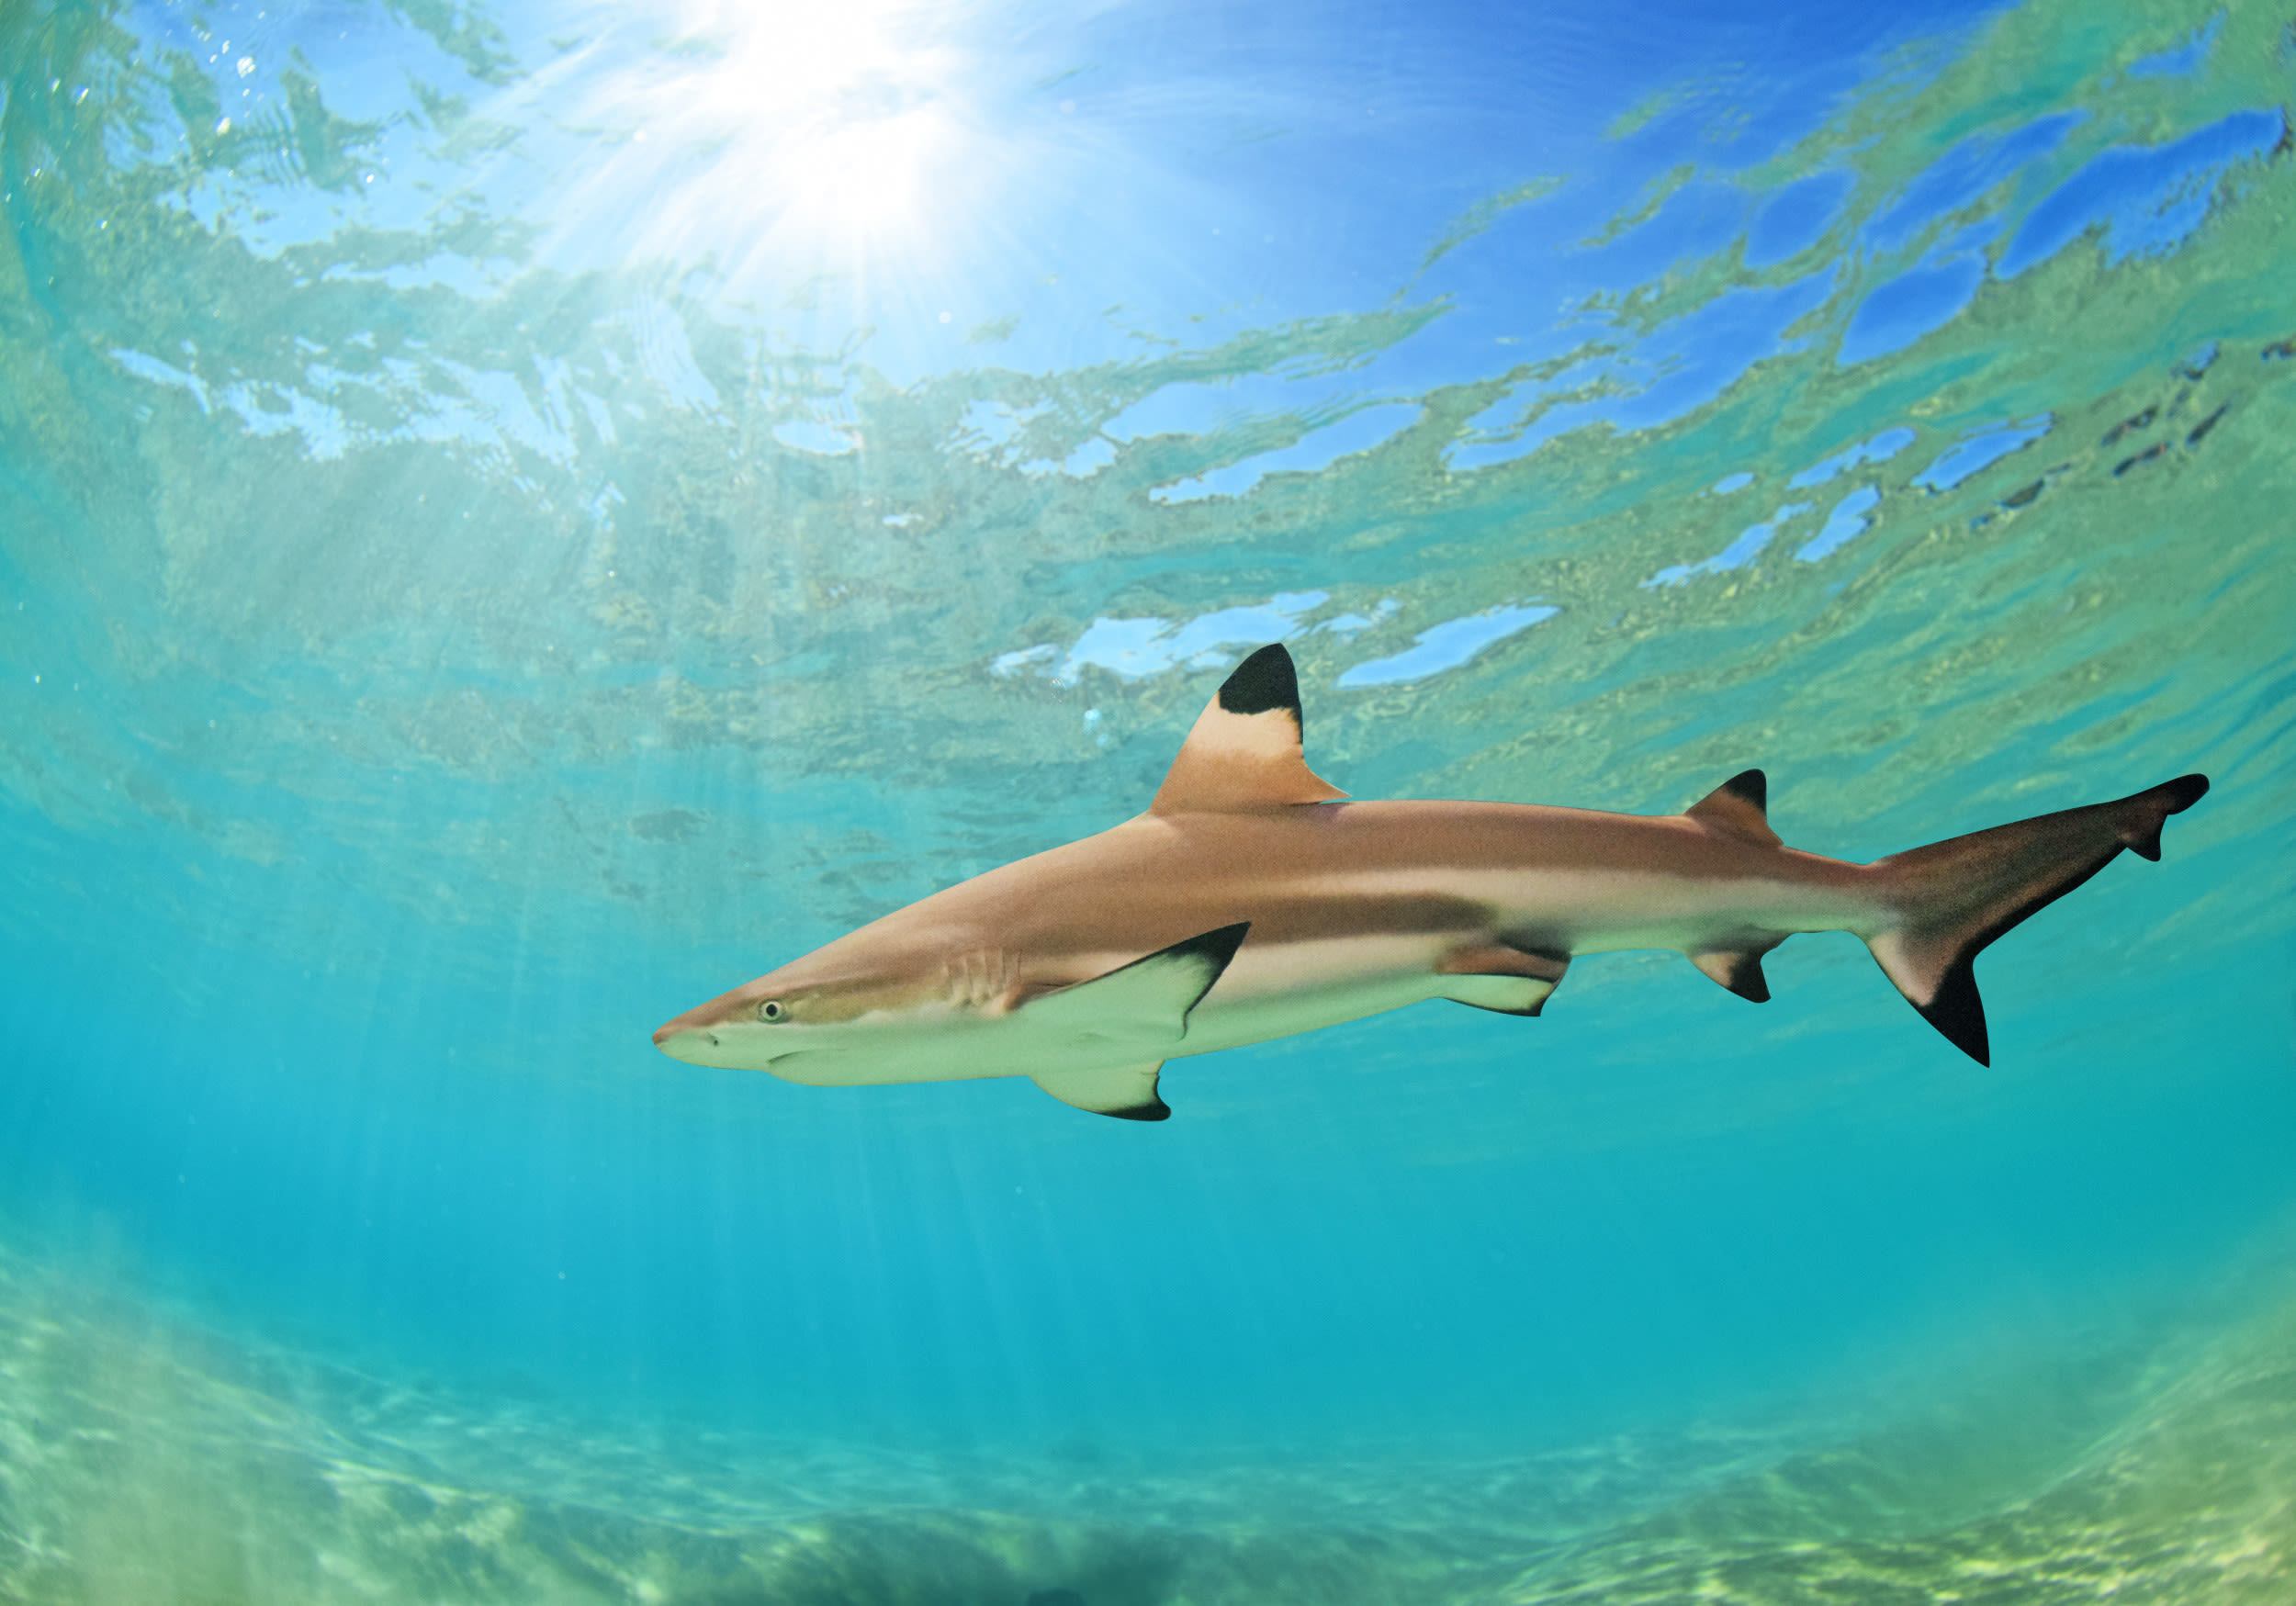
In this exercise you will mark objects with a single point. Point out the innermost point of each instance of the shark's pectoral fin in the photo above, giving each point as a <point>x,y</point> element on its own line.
<point>1146,1002</point>
<point>1128,1093</point>
<point>1739,969</point>
<point>1497,976</point>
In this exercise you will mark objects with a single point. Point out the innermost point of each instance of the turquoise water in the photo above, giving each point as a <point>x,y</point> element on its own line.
<point>514,520</point>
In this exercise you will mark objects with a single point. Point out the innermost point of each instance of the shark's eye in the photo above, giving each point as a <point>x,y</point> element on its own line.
<point>772,1010</point>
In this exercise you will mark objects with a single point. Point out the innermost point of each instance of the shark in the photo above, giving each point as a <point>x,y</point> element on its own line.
<point>1253,901</point>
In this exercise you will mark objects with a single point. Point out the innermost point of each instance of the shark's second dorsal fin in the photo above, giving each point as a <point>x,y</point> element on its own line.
<point>1245,751</point>
<point>1740,805</point>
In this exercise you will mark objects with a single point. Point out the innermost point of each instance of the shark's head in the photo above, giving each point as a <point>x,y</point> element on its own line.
<point>863,1010</point>
<point>826,1014</point>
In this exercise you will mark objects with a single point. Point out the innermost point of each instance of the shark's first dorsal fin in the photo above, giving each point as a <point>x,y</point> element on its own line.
<point>1740,805</point>
<point>1245,751</point>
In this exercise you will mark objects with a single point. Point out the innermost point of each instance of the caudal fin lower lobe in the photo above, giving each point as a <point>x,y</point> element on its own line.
<point>1953,898</point>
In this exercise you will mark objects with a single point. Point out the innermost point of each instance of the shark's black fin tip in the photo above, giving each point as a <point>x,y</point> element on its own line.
<point>1262,681</point>
<point>1958,1013</point>
<point>1219,944</point>
<point>1158,1111</point>
<point>1750,784</point>
<point>2171,797</point>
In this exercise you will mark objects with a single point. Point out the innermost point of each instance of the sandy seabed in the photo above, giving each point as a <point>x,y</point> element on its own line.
<point>147,1459</point>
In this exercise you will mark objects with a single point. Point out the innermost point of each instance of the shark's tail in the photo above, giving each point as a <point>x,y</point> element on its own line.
<point>1952,898</point>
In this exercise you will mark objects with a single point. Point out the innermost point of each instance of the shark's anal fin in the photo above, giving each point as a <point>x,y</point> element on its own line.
<point>1500,977</point>
<point>1128,1093</point>
<point>1245,751</point>
<point>1739,967</point>
<point>1146,1002</point>
<point>1740,805</point>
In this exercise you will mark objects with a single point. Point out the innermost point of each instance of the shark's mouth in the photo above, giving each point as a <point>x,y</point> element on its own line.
<point>722,1051</point>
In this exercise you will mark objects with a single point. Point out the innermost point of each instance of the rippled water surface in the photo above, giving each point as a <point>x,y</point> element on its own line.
<point>514,519</point>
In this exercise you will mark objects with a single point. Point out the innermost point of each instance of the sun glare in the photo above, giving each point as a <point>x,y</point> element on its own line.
<point>771,139</point>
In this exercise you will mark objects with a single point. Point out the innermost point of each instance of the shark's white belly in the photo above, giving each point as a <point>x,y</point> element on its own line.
<point>1276,992</point>
<point>1302,986</point>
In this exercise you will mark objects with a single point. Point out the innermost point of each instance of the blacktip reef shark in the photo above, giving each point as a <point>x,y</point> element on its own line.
<point>1249,903</point>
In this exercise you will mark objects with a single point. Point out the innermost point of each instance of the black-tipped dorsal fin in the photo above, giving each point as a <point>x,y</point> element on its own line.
<point>1740,805</point>
<point>1245,751</point>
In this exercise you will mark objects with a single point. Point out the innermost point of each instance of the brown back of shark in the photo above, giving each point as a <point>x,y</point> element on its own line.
<point>1249,902</point>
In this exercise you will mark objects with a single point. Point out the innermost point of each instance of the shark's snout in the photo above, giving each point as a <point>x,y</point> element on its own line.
<point>679,1035</point>
<point>724,1046</point>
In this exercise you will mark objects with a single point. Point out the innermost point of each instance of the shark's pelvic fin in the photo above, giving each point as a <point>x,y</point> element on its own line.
<point>1128,1093</point>
<point>1953,898</point>
<point>1500,995</point>
<point>1145,1002</point>
<point>1245,750</point>
<point>1740,805</point>
<point>1501,977</point>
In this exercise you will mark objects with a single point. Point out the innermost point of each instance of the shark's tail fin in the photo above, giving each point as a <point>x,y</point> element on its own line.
<point>1953,898</point>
